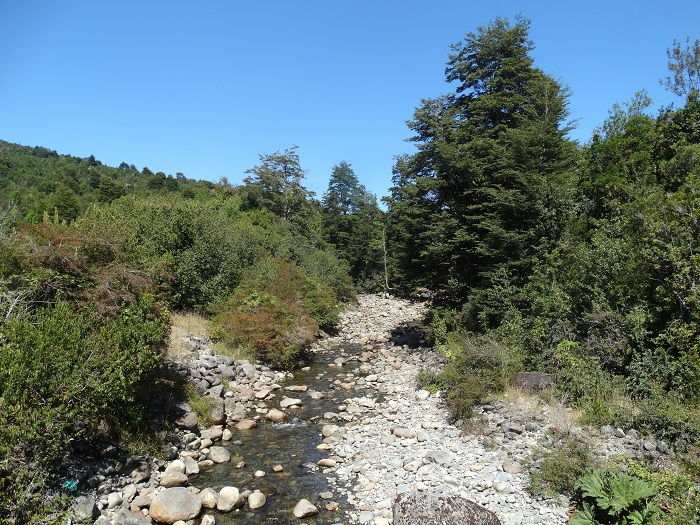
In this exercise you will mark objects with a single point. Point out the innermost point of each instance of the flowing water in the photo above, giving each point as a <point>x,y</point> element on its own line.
<point>291,445</point>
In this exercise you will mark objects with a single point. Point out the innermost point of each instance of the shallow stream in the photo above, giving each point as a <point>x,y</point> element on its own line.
<point>293,444</point>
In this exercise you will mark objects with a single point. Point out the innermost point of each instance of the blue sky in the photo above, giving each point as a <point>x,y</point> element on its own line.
<point>203,88</point>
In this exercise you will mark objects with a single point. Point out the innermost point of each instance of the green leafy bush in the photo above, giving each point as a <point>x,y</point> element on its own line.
<point>677,425</point>
<point>478,367</point>
<point>68,374</point>
<point>270,311</point>
<point>556,470</point>
<point>613,498</point>
<point>678,496</point>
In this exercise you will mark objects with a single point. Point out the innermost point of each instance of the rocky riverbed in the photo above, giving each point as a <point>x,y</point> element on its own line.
<point>335,442</point>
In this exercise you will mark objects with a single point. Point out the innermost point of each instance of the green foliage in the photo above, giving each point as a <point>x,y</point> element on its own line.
<point>556,470</point>
<point>582,381</point>
<point>276,185</point>
<point>684,65</point>
<point>678,495</point>
<point>352,223</point>
<point>478,367</point>
<point>614,498</point>
<point>67,375</point>
<point>276,311</point>
<point>38,180</point>
<point>674,423</point>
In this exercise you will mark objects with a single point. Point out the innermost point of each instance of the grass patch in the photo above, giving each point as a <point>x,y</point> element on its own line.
<point>185,324</point>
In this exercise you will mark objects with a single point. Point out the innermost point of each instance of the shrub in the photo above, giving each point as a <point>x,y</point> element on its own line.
<point>675,424</point>
<point>614,498</point>
<point>267,312</point>
<point>67,375</point>
<point>556,471</point>
<point>678,493</point>
<point>478,367</point>
<point>581,380</point>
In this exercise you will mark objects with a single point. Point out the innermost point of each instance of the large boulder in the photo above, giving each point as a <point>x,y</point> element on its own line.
<point>434,509</point>
<point>533,381</point>
<point>175,504</point>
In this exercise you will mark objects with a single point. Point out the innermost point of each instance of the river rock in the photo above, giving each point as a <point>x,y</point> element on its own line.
<point>191,466</point>
<point>141,472</point>
<point>114,499</point>
<point>304,509</point>
<point>219,455</point>
<point>208,520</point>
<point>173,478</point>
<point>185,416</point>
<point>209,498</point>
<point>127,517</point>
<point>245,424</point>
<point>328,430</point>
<point>213,433</point>
<point>422,395</point>
<point>276,416</point>
<point>402,432</point>
<point>512,467</point>
<point>85,508</point>
<point>217,413</point>
<point>229,498</point>
<point>411,508</point>
<point>257,500</point>
<point>263,393</point>
<point>289,401</point>
<point>175,504</point>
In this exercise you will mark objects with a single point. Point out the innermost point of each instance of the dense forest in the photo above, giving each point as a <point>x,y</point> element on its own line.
<point>538,253</point>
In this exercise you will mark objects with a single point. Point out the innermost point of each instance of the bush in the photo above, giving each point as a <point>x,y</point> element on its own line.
<point>268,312</point>
<point>557,470</point>
<point>478,367</point>
<point>68,375</point>
<point>675,424</point>
<point>678,495</point>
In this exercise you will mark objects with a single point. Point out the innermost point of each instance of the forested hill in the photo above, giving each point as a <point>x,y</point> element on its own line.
<point>38,180</point>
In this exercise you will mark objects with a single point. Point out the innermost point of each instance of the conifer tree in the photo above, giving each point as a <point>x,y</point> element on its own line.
<point>489,173</point>
<point>351,222</point>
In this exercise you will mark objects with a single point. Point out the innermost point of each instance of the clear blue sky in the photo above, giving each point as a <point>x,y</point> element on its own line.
<point>203,88</point>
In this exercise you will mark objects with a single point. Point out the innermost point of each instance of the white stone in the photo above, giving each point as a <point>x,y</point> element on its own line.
<point>229,498</point>
<point>304,509</point>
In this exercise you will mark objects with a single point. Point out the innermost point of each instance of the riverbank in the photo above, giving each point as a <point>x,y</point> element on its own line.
<point>336,441</point>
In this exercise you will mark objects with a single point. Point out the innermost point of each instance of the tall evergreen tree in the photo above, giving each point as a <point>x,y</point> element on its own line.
<point>351,222</point>
<point>489,171</point>
<point>65,203</point>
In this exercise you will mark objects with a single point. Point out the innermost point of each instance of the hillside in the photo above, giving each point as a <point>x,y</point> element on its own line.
<point>38,180</point>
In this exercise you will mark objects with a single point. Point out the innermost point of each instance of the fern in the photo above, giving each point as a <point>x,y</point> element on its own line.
<point>613,498</point>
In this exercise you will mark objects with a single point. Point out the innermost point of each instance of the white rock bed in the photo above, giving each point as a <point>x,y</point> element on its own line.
<point>374,465</point>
